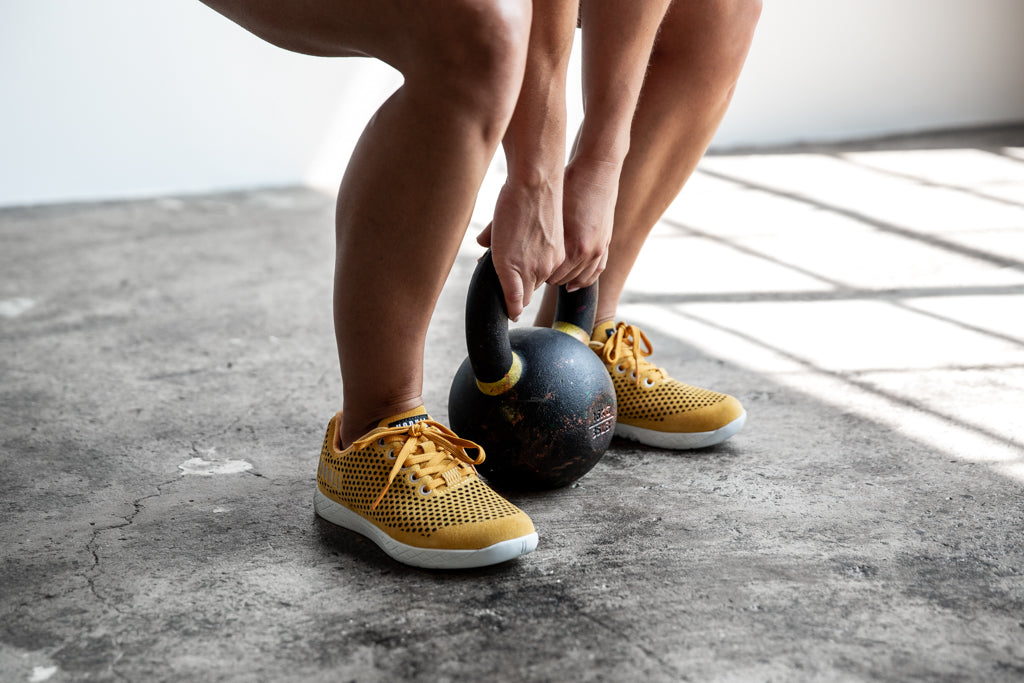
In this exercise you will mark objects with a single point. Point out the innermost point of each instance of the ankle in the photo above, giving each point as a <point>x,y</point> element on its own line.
<point>602,321</point>
<point>356,422</point>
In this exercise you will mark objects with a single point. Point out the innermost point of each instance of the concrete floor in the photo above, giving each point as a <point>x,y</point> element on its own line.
<point>167,367</point>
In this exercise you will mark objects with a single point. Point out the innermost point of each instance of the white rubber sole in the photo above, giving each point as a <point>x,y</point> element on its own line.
<point>430,558</point>
<point>680,441</point>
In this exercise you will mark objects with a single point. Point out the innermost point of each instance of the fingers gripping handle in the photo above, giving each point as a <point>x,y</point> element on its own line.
<point>495,367</point>
<point>575,312</point>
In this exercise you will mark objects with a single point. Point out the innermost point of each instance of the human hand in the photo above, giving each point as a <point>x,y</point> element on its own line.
<point>590,192</point>
<point>525,239</point>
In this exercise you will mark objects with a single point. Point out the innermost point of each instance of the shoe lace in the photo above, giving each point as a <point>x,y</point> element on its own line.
<point>434,452</point>
<point>630,345</point>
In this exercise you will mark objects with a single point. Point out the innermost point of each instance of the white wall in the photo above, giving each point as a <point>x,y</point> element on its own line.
<point>822,70</point>
<point>124,98</point>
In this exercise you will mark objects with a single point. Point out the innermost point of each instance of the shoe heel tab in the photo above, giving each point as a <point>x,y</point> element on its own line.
<point>333,437</point>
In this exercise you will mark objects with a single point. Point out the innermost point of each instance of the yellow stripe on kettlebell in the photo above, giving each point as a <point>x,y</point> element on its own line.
<point>572,331</point>
<point>505,383</point>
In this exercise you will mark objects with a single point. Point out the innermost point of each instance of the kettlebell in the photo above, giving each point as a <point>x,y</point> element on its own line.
<point>537,399</point>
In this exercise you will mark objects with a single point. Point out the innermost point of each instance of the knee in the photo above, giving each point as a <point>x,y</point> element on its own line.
<point>477,56</point>
<point>742,17</point>
<point>746,14</point>
<point>734,20</point>
<point>713,36</point>
<point>482,55</point>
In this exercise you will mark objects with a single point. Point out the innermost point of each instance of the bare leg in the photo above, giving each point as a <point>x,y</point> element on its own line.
<point>692,75</point>
<point>693,70</point>
<point>404,205</point>
<point>409,190</point>
<point>617,41</point>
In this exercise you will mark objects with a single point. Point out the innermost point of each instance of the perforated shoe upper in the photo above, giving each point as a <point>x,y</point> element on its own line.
<point>647,396</point>
<point>413,478</point>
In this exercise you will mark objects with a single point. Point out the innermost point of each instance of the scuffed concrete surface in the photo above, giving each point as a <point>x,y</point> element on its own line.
<point>168,367</point>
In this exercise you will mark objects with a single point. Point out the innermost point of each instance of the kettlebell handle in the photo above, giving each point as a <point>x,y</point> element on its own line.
<point>490,352</point>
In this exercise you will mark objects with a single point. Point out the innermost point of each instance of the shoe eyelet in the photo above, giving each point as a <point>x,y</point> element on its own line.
<point>423,491</point>
<point>391,454</point>
<point>380,441</point>
<point>620,368</point>
<point>413,478</point>
<point>648,382</point>
<point>632,375</point>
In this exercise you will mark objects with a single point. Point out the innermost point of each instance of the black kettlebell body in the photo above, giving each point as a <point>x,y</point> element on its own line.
<point>538,400</point>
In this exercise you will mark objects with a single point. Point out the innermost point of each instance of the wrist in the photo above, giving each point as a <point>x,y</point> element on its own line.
<point>595,167</point>
<point>535,143</point>
<point>605,133</point>
<point>600,148</point>
<point>536,177</point>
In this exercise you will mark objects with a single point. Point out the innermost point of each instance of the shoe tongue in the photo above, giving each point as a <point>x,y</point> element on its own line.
<point>451,476</point>
<point>406,419</point>
<point>603,331</point>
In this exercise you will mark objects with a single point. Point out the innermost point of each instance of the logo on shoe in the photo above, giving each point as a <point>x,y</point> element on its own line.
<point>409,421</point>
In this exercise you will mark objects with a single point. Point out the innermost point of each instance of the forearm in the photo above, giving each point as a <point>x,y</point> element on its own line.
<point>535,141</point>
<point>617,42</point>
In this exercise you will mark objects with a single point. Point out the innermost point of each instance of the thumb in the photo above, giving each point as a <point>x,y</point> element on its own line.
<point>484,238</point>
<point>512,286</point>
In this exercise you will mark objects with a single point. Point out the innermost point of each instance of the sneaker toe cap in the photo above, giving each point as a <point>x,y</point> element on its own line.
<point>706,418</point>
<point>482,534</point>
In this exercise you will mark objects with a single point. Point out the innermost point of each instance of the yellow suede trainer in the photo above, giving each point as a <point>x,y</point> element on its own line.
<point>655,409</point>
<point>410,487</point>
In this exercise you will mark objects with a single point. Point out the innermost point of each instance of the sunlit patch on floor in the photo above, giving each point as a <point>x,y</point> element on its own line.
<point>209,468</point>
<point>12,308</point>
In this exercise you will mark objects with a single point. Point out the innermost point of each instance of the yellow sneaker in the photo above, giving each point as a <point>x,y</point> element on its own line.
<point>411,488</point>
<point>655,409</point>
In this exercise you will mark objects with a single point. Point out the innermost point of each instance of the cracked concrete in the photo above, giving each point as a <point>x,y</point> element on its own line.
<point>168,367</point>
